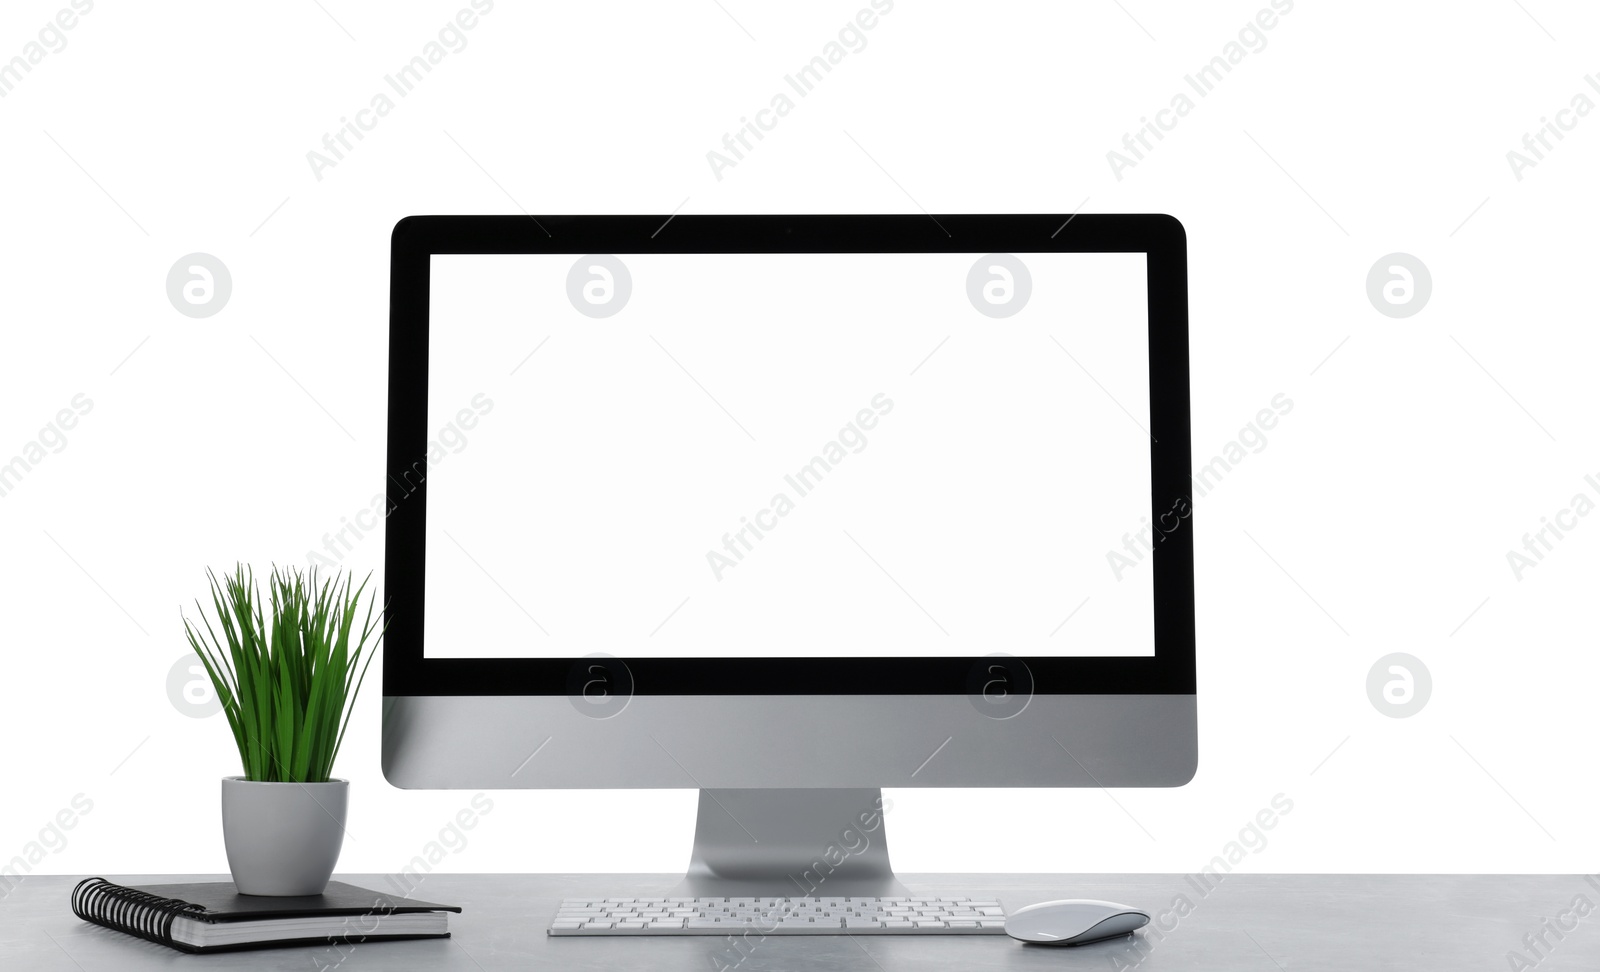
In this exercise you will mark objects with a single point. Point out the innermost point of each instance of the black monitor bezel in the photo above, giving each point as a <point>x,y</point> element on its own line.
<point>1170,671</point>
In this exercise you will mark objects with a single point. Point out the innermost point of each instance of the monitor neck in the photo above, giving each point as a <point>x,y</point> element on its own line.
<point>791,843</point>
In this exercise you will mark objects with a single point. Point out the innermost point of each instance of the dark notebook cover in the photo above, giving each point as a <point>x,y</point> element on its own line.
<point>148,911</point>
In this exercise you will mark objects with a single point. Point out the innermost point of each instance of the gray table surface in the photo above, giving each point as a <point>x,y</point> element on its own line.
<point>1287,923</point>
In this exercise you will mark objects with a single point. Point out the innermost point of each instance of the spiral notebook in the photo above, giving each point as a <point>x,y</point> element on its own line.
<point>215,917</point>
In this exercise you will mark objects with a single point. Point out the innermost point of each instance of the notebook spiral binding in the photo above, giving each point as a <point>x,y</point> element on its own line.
<point>132,912</point>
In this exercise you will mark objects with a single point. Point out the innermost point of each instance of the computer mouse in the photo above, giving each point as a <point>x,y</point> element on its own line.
<point>1073,922</point>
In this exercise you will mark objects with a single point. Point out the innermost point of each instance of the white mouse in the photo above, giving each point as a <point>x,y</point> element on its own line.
<point>1073,922</point>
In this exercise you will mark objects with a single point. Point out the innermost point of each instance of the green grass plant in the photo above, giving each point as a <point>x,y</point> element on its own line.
<point>285,670</point>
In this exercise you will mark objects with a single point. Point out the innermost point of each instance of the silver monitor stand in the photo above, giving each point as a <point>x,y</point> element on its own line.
<point>789,843</point>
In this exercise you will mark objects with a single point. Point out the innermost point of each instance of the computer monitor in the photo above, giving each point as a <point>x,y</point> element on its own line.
<point>789,509</point>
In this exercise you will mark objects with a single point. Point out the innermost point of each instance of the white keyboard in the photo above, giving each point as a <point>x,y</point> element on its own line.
<point>778,916</point>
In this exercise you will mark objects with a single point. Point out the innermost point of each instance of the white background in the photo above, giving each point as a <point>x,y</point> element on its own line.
<point>1381,510</point>
<point>973,516</point>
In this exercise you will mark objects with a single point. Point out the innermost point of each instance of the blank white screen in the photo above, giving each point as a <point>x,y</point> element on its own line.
<point>596,502</point>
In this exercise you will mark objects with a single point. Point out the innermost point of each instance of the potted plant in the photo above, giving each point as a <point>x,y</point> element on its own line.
<point>287,682</point>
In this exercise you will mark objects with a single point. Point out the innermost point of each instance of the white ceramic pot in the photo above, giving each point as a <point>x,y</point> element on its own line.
<point>283,838</point>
